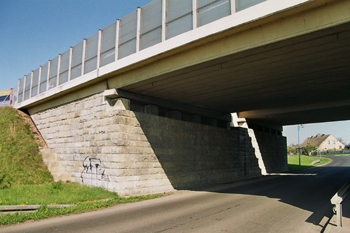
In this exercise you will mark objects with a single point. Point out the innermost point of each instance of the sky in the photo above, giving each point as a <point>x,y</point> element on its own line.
<point>35,31</point>
<point>339,129</point>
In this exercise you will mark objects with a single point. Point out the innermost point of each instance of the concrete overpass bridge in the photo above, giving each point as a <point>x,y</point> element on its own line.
<point>144,105</point>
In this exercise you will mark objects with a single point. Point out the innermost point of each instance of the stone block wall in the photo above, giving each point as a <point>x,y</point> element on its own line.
<point>273,149</point>
<point>135,153</point>
<point>194,154</point>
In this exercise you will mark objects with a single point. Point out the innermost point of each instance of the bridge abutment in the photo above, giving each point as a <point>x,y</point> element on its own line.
<point>135,150</point>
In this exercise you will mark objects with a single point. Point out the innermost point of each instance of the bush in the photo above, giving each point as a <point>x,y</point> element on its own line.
<point>308,149</point>
<point>292,149</point>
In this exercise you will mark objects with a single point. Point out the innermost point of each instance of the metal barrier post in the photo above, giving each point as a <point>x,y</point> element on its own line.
<point>138,29</point>
<point>195,14</point>
<point>339,213</point>
<point>117,30</point>
<point>233,7</point>
<point>164,9</point>
<point>337,200</point>
<point>18,89</point>
<point>70,63</point>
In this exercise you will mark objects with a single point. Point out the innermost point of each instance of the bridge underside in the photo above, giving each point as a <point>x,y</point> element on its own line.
<point>288,68</point>
<point>299,80</point>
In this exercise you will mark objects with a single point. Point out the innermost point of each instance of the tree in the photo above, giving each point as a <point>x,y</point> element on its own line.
<point>309,148</point>
<point>341,140</point>
<point>292,149</point>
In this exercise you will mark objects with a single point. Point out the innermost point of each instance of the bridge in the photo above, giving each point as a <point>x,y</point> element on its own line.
<point>153,102</point>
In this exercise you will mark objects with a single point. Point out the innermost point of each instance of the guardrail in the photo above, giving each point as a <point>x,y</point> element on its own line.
<point>337,200</point>
<point>149,25</point>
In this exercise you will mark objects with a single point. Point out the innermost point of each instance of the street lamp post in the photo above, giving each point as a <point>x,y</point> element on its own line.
<point>299,143</point>
<point>299,126</point>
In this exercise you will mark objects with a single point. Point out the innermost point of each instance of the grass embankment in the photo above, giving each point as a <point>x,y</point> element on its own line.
<point>86,199</point>
<point>306,162</point>
<point>25,180</point>
<point>21,163</point>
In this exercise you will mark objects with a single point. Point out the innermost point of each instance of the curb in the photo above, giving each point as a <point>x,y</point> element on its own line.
<point>22,209</point>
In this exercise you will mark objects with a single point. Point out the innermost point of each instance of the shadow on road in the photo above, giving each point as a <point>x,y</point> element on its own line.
<point>310,189</point>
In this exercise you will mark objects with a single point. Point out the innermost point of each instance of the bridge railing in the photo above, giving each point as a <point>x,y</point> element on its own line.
<point>152,24</point>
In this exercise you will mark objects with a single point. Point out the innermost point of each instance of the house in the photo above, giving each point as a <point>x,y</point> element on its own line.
<point>324,142</point>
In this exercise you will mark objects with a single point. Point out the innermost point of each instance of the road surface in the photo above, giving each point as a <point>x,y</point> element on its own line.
<point>275,203</point>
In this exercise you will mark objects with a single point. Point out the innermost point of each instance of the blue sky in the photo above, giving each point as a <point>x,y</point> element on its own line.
<point>339,129</point>
<point>34,31</point>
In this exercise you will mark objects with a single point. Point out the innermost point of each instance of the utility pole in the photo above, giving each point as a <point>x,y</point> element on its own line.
<point>299,126</point>
<point>299,144</point>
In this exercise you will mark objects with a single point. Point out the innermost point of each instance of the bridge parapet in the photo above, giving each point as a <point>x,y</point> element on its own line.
<point>144,33</point>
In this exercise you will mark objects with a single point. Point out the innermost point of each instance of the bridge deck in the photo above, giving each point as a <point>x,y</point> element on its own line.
<point>268,60</point>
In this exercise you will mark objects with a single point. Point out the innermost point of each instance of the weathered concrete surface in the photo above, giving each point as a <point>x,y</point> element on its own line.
<point>101,143</point>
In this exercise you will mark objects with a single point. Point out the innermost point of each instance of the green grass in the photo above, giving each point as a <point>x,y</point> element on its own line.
<point>86,199</point>
<point>21,162</point>
<point>45,212</point>
<point>293,162</point>
<point>57,193</point>
<point>25,180</point>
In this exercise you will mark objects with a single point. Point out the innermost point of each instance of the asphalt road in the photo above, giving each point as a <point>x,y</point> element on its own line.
<point>275,203</point>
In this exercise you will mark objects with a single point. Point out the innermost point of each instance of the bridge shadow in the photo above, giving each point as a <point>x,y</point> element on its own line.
<point>309,190</point>
<point>194,154</point>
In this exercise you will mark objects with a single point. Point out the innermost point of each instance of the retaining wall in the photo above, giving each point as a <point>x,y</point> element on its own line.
<point>135,153</point>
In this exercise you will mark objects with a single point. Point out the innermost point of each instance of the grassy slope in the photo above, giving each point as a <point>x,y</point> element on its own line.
<point>21,162</point>
<point>22,169</point>
<point>293,162</point>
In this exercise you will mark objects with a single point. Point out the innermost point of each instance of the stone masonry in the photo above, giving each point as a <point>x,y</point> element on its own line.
<point>134,153</point>
<point>272,147</point>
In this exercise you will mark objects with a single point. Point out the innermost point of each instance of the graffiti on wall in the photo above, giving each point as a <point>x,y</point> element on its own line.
<point>93,172</point>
